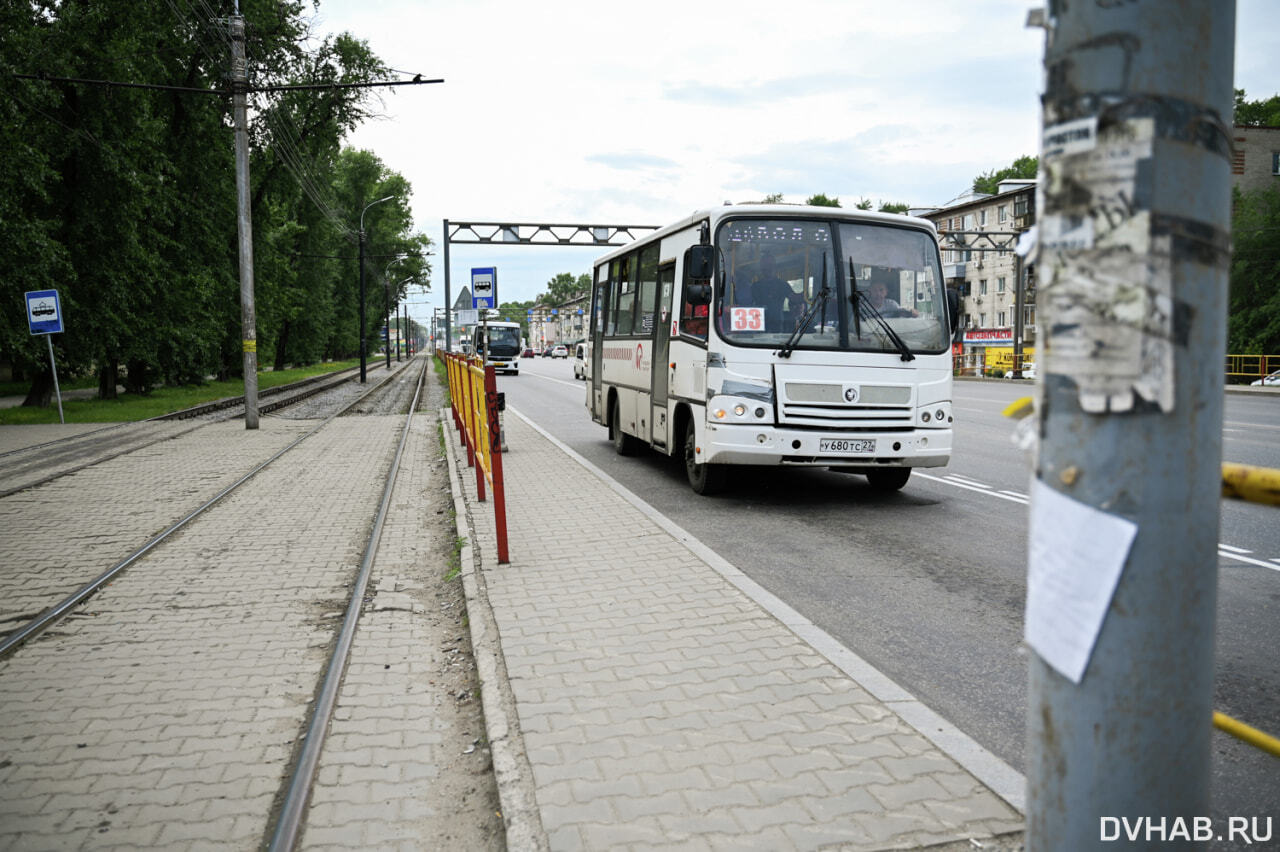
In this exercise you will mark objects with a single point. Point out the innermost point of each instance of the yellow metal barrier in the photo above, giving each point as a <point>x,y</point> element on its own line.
<point>1253,484</point>
<point>1241,731</point>
<point>1246,368</point>
<point>473,397</point>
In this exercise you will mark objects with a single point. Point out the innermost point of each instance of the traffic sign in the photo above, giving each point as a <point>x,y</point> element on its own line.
<point>484,287</point>
<point>44,312</point>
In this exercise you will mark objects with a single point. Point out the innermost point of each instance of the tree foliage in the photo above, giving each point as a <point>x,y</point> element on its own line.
<point>821,200</point>
<point>1023,168</point>
<point>124,199</point>
<point>1253,324</point>
<point>1256,113</point>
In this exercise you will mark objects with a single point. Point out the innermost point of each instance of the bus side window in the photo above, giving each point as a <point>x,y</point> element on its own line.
<point>693,319</point>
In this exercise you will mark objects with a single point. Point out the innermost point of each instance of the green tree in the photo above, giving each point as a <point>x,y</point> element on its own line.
<point>821,200</point>
<point>1253,323</point>
<point>565,287</point>
<point>1257,113</point>
<point>1023,168</point>
<point>863,204</point>
<point>894,207</point>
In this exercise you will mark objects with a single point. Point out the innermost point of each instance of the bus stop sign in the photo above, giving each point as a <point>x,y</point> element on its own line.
<point>44,312</point>
<point>484,287</point>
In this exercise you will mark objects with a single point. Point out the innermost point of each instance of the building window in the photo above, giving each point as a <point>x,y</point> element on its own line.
<point>1004,212</point>
<point>1000,284</point>
<point>982,320</point>
<point>982,217</point>
<point>1275,162</point>
<point>968,222</point>
<point>982,287</point>
<point>1001,323</point>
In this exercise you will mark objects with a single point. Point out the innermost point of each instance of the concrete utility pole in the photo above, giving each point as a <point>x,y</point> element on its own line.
<point>248,314</point>
<point>1133,259</point>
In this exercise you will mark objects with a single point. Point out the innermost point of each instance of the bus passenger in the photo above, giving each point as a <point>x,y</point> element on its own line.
<point>772,293</point>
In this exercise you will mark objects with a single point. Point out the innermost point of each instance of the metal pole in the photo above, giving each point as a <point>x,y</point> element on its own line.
<point>386,316</point>
<point>1017,315</point>
<point>244,220</point>
<point>448,297</point>
<point>362,344</point>
<point>54,367</point>
<point>1133,262</point>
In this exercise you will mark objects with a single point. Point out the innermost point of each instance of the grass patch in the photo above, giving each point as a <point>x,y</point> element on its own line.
<point>131,407</point>
<point>455,558</point>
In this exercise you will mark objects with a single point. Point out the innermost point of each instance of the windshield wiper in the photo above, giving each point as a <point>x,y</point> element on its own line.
<point>859,304</point>
<point>821,301</point>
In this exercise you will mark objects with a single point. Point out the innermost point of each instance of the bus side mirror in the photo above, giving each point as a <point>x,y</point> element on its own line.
<point>699,266</point>
<point>697,294</point>
<point>699,263</point>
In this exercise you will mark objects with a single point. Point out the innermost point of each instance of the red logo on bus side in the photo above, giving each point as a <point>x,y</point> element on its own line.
<point>639,354</point>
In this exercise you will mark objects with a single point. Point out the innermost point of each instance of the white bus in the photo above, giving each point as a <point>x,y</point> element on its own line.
<point>502,350</point>
<point>776,335</point>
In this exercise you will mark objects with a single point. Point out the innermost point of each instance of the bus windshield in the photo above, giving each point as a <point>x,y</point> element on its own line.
<point>504,340</point>
<point>814,284</point>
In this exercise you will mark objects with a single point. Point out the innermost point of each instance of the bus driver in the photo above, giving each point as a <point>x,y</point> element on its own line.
<point>772,293</point>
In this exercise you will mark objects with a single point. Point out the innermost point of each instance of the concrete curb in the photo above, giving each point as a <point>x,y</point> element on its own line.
<point>512,771</point>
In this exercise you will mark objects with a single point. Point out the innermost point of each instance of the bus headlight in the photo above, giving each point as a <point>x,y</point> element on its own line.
<point>739,409</point>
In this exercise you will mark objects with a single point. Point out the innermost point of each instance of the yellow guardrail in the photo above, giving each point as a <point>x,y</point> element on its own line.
<point>473,397</point>
<point>1245,368</point>
<point>1239,482</point>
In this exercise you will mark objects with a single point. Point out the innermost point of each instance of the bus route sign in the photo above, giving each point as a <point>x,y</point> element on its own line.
<point>44,312</point>
<point>484,287</point>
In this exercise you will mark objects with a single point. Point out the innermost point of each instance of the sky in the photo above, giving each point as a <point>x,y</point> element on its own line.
<point>564,111</point>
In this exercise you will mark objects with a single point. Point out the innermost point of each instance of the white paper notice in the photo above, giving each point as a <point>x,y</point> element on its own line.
<point>1076,556</point>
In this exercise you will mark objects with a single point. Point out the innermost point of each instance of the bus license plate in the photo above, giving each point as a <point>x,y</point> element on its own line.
<point>847,446</point>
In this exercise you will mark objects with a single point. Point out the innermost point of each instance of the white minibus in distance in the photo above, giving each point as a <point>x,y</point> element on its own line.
<point>502,350</point>
<point>776,335</point>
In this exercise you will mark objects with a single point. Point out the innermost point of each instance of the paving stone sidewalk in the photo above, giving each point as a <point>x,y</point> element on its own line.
<point>661,707</point>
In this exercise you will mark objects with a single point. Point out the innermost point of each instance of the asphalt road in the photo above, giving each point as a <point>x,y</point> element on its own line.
<point>928,584</point>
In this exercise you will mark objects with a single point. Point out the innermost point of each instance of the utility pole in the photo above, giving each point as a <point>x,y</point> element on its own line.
<point>1134,251</point>
<point>244,220</point>
<point>448,296</point>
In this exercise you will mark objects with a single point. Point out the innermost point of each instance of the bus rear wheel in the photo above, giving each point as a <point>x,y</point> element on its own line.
<point>623,444</point>
<point>705,479</point>
<point>888,478</point>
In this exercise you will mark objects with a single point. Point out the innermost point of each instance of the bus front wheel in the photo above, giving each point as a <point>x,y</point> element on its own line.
<point>705,479</point>
<point>888,478</point>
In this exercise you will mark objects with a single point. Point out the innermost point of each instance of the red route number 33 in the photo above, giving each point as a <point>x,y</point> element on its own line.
<point>746,319</point>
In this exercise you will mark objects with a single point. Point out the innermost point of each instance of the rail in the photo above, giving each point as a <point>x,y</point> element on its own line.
<point>473,397</point>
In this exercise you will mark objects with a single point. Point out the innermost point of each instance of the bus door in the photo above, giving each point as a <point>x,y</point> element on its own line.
<point>595,367</point>
<point>661,345</point>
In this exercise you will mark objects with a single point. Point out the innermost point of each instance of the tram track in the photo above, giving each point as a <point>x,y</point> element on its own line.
<point>286,815</point>
<point>32,466</point>
<point>38,623</point>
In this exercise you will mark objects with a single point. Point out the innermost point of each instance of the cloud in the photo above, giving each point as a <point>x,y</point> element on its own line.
<point>628,162</point>
<point>767,92</point>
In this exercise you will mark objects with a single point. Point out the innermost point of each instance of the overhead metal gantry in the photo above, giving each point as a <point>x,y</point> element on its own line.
<point>985,241</point>
<point>530,234</point>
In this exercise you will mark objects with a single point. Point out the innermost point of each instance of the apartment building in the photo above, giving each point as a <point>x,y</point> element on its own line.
<point>978,234</point>
<point>1255,157</point>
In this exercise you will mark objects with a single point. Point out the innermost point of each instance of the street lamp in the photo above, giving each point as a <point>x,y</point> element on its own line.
<point>362,339</point>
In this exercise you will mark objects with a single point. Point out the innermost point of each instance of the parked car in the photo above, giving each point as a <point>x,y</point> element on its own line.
<point>1028,371</point>
<point>560,352</point>
<point>528,353</point>
<point>546,353</point>
<point>580,361</point>
<point>1270,381</point>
